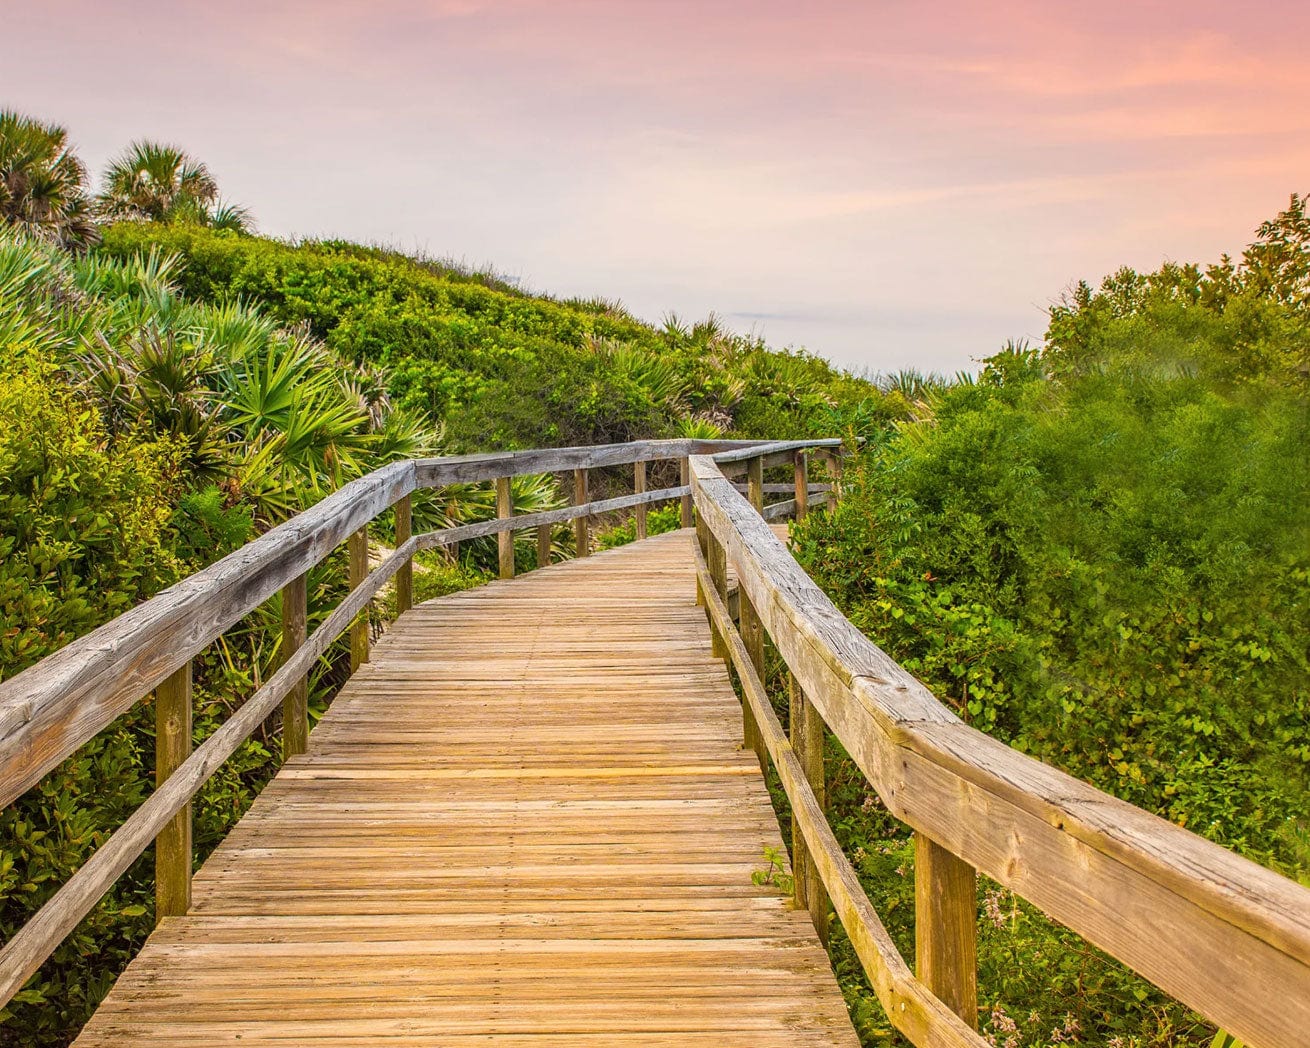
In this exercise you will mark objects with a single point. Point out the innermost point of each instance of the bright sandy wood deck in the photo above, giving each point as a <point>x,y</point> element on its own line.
<point>528,821</point>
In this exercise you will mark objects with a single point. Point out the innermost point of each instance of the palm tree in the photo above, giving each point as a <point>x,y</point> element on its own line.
<point>43,184</point>
<point>161,183</point>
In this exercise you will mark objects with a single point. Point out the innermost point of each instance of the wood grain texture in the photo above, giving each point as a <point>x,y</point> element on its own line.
<point>801,484</point>
<point>405,576</point>
<point>911,1007</point>
<point>581,523</point>
<point>295,707</point>
<point>172,747</point>
<point>528,822</point>
<point>358,572</point>
<point>639,486</point>
<point>1222,934</point>
<point>505,538</point>
<point>946,927</point>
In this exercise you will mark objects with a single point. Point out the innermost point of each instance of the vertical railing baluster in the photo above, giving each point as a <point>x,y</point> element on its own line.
<point>684,478</point>
<point>802,485</point>
<point>946,927</point>
<point>358,548</point>
<point>755,483</point>
<point>295,707</point>
<point>639,487</point>
<point>544,537</point>
<point>172,746</point>
<point>405,574</point>
<point>807,740</point>
<point>752,631</point>
<point>581,525</point>
<point>505,539</point>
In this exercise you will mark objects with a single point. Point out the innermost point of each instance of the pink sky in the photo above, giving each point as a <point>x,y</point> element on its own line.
<point>889,184</point>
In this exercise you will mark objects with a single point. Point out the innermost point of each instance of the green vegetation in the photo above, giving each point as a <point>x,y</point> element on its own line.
<point>1097,552</point>
<point>500,367</point>
<point>1100,553</point>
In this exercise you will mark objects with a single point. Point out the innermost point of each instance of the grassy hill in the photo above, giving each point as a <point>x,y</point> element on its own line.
<point>500,367</point>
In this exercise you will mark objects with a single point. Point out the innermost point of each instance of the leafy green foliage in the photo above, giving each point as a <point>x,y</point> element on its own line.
<point>503,368</point>
<point>1099,553</point>
<point>43,183</point>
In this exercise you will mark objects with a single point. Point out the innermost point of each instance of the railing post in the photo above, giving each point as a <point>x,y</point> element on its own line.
<point>581,525</point>
<point>405,574</point>
<point>295,707</point>
<point>755,483</point>
<point>836,469</point>
<point>752,631</point>
<point>752,635</point>
<point>802,485</point>
<point>946,927</point>
<point>358,546</point>
<point>172,746</point>
<point>807,730</point>
<point>505,539</point>
<point>543,545</point>
<point>638,487</point>
<point>717,561</point>
<point>684,478</point>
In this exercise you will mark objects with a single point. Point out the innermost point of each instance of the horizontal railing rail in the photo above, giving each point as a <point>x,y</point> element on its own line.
<point>1225,936</point>
<point>52,708</point>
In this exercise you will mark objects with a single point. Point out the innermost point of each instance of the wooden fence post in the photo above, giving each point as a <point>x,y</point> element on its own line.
<point>807,730</point>
<point>752,635</point>
<point>639,486</point>
<point>946,927</point>
<point>718,565</point>
<point>295,707</point>
<point>543,545</point>
<point>405,574</point>
<point>802,485</point>
<point>358,546</point>
<point>172,746</point>
<point>505,539</point>
<point>684,478</point>
<point>581,525</point>
<point>755,483</point>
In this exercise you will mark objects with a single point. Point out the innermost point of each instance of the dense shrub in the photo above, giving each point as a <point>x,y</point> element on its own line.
<point>499,366</point>
<point>1099,553</point>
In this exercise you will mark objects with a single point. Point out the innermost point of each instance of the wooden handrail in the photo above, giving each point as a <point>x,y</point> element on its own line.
<point>1223,935</point>
<point>52,708</point>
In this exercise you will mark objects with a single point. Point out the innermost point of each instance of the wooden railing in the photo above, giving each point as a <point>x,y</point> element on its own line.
<point>1223,935</point>
<point>54,707</point>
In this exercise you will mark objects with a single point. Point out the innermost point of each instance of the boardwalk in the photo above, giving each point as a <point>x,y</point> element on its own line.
<point>528,821</point>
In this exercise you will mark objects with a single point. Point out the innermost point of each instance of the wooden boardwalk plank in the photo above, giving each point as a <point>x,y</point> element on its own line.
<point>528,821</point>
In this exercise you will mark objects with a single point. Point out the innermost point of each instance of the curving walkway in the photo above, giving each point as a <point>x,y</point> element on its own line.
<point>528,821</point>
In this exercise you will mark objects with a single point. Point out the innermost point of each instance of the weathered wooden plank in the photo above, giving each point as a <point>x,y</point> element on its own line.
<point>911,1007</point>
<point>358,572</point>
<point>946,927</point>
<point>638,487</point>
<point>295,707</point>
<point>544,540</point>
<point>684,479</point>
<point>1027,825</point>
<point>516,825</point>
<point>505,537</point>
<point>172,745</point>
<point>801,484</point>
<point>581,523</point>
<point>405,576</point>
